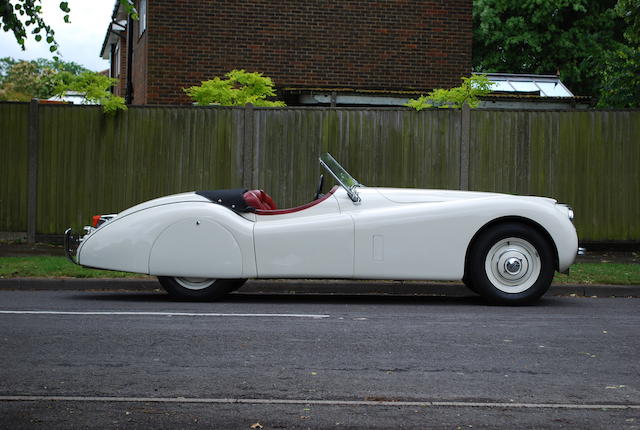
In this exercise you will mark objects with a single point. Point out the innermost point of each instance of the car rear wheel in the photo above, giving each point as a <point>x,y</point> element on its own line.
<point>199,288</point>
<point>511,263</point>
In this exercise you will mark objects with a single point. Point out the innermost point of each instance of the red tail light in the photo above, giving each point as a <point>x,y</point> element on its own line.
<point>95,220</point>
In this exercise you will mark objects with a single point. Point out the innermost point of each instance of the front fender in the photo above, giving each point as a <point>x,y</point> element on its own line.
<point>546,215</point>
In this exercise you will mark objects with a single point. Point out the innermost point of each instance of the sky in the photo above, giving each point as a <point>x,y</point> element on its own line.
<point>80,41</point>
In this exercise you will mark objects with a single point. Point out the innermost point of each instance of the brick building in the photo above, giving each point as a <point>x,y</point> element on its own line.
<point>316,51</point>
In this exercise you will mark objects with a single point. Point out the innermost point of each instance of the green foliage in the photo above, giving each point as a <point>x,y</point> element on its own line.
<point>571,37</point>
<point>469,92</point>
<point>41,78</point>
<point>620,69</point>
<point>24,80</point>
<point>5,65</point>
<point>95,88</point>
<point>21,16</point>
<point>629,10</point>
<point>620,79</point>
<point>240,88</point>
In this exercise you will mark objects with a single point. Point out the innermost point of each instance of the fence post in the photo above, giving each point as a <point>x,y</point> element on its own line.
<point>248,147</point>
<point>465,125</point>
<point>32,170</point>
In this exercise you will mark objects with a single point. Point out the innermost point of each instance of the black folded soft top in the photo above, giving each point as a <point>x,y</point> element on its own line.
<point>232,198</point>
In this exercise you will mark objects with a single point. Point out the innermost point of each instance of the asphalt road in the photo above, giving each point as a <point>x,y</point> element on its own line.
<point>137,360</point>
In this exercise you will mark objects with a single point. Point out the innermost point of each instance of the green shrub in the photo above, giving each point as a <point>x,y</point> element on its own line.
<point>469,92</point>
<point>240,88</point>
<point>94,87</point>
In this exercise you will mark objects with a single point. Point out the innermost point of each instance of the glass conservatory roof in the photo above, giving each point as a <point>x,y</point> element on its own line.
<point>544,85</point>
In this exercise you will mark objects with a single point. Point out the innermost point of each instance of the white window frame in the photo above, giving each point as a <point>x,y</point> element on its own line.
<point>116,62</point>
<point>142,17</point>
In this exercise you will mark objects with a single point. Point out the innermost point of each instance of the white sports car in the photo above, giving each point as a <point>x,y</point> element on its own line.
<point>204,244</point>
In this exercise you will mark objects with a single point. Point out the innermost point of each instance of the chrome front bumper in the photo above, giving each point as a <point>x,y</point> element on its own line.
<point>581,251</point>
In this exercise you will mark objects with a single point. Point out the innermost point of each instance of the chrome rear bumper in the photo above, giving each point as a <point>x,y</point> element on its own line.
<point>71,243</point>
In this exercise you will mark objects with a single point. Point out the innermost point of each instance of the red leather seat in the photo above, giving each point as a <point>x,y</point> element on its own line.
<point>258,199</point>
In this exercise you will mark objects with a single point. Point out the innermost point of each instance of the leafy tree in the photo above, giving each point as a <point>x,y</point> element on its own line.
<point>24,80</point>
<point>620,79</point>
<point>240,88</point>
<point>94,87</point>
<point>5,65</point>
<point>620,71</point>
<point>469,92</point>
<point>629,10</point>
<point>20,16</point>
<point>571,37</point>
<point>41,78</point>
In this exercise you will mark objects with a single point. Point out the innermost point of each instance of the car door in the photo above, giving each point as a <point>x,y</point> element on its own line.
<point>316,242</point>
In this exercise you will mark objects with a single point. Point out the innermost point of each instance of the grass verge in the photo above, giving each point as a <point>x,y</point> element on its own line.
<point>57,267</point>
<point>601,273</point>
<point>53,267</point>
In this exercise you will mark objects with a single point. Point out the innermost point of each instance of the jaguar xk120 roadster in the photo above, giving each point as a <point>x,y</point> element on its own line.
<point>204,244</point>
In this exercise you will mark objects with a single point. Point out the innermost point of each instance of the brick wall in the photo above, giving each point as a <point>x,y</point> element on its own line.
<point>360,44</point>
<point>139,66</point>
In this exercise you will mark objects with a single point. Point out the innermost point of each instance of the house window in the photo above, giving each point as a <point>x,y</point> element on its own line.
<point>142,15</point>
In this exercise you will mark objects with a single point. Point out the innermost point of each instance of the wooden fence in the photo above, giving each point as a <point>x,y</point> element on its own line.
<point>60,164</point>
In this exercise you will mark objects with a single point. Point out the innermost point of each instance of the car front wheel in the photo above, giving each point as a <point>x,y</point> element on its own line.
<point>511,263</point>
<point>199,288</point>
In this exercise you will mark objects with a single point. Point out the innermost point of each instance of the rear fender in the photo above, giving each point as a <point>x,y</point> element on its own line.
<point>196,247</point>
<point>172,240</point>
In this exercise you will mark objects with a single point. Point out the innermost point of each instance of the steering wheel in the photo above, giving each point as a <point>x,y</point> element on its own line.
<point>319,190</point>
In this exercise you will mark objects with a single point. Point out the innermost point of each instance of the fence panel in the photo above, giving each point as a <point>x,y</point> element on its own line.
<point>93,163</point>
<point>384,147</point>
<point>588,159</point>
<point>13,165</point>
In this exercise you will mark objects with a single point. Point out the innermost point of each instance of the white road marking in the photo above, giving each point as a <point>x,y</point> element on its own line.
<point>317,402</point>
<point>168,314</point>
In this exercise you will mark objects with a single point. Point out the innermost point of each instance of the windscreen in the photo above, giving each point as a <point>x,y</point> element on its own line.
<point>342,176</point>
<point>338,171</point>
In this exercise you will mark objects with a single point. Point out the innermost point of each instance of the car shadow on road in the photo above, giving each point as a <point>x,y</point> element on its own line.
<point>262,298</point>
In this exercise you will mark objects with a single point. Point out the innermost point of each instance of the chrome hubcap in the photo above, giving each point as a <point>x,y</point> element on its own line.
<point>513,265</point>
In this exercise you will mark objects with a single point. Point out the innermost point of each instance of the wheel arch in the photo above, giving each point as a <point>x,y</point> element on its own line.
<point>503,220</point>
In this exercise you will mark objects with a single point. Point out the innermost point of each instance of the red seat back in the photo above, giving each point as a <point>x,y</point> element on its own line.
<point>258,199</point>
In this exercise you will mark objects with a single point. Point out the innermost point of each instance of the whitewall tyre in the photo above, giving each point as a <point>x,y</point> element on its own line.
<point>199,288</point>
